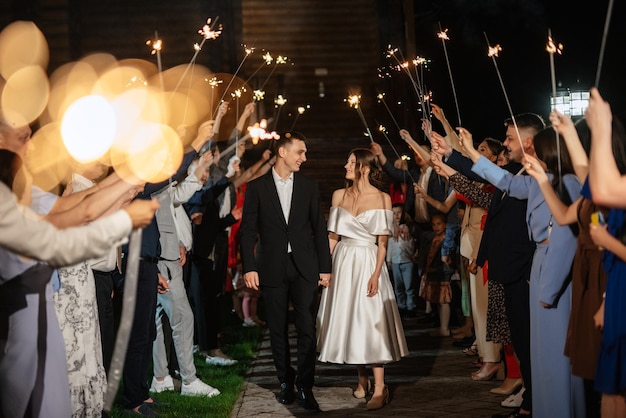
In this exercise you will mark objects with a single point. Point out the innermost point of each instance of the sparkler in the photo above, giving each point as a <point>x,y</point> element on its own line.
<point>156,45</point>
<point>553,48</point>
<point>301,110</point>
<point>208,31</point>
<point>443,35</point>
<point>381,98</point>
<point>258,131</point>
<point>247,51</point>
<point>237,95</point>
<point>383,130</point>
<point>355,101</point>
<point>267,60</point>
<point>279,60</point>
<point>404,65</point>
<point>604,35</point>
<point>493,52</point>
<point>279,102</point>
<point>213,82</point>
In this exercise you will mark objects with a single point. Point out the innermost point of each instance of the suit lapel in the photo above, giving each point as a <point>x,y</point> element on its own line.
<point>296,196</point>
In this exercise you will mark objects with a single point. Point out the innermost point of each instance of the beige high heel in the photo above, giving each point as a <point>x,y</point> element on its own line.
<point>379,401</point>
<point>360,392</point>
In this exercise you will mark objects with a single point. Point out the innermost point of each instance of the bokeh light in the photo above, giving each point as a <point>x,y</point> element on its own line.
<point>88,128</point>
<point>21,45</point>
<point>25,95</point>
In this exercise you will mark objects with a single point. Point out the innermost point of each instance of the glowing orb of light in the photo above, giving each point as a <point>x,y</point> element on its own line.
<point>22,44</point>
<point>88,128</point>
<point>25,95</point>
<point>150,152</point>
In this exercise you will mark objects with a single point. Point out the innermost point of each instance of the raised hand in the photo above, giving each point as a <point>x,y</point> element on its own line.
<point>439,144</point>
<point>598,114</point>
<point>562,124</point>
<point>467,142</point>
<point>437,112</point>
<point>534,168</point>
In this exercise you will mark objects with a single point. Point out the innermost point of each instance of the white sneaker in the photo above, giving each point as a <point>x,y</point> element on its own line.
<point>219,361</point>
<point>166,384</point>
<point>198,388</point>
<point>514,400</point>
<point>249,322</point>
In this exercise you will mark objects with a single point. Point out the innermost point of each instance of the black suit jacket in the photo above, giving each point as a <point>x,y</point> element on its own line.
<point>306,231</point>
<point>505,242</point>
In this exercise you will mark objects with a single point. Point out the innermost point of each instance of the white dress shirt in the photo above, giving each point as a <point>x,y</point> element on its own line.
<point>284,187</point>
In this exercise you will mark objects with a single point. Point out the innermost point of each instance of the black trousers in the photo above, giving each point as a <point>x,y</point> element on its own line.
<point>516,301</point>
<point>303,295</point>
<point>143,333</point>
<point>104,290</point>
<point>204,290</point>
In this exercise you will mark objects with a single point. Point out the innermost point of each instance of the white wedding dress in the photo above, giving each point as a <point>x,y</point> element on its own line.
<point>351,327</point>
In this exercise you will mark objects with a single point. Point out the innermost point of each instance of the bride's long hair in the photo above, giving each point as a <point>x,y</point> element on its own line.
<point>366,158</point>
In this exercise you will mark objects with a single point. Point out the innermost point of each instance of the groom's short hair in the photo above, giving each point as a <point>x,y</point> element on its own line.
<point>288,137</point>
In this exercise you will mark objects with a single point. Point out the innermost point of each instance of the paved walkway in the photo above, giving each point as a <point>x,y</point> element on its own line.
<point>434,381</point>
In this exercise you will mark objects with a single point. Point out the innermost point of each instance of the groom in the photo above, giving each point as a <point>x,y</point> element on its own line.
<point>289,261</point>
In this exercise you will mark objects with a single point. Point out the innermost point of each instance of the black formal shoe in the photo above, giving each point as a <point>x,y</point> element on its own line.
<point>307,400</point>
<point>286,395</point>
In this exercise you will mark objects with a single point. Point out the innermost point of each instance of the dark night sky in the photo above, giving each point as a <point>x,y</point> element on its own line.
<point>520,27</point>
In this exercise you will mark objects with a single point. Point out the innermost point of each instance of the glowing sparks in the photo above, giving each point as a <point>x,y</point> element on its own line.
<point>258,95</point>
<point>420,61</point>
<point>156,45</point>
<point>353,101</point>
<point>267,57</point>
<point>197,47</point>
<point>301,109</point>
<point>280,100</point>
<point>391,52</point>
<point>210,30</point>
<point>213,81</point>
<point>381,128</point>
<point>552,47</point>
<point>248,50</point>
<point>281,60</point>
<point>259,131</point>
<point>494,50</point>
<point>237,93</point>
<point>443,35</point>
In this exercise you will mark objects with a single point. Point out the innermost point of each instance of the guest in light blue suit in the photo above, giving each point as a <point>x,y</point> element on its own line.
<point>556,392</point>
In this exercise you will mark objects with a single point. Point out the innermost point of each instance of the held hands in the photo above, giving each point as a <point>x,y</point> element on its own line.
<point>324,280</point>
<point>248,110</point>
<point>251,279</point>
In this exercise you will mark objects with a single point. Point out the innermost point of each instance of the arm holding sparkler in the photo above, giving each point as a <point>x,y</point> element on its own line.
<point>451,135</point>
<point>396,174</point>
<point>255,170</point>
<point>406,137</point>
<point>564,125</point>
<point>606,182</point>
<point>562,213</point>
<point>443,207</point>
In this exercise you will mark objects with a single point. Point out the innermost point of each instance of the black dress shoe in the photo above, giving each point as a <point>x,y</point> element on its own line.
<point>286,395</point>
<point>307,400</point>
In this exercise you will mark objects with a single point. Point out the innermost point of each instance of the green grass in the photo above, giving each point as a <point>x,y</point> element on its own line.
<point>238,342</point>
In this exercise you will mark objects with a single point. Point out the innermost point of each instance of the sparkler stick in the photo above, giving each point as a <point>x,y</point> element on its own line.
<point>552,48</point>
<point>443,35</point>
<point>493,53</point>
<point>157,44</point>
<point>301,110</point>
<point>604,34</point>
<point>267,60</point>
<point>208,32</point>
<point>383,130</point>
<point>279,60</point>
<point>247,51</point>
<point>354,101</point>
<point>279,103</point>
<point>126,322</point>
<point>381,97</point>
